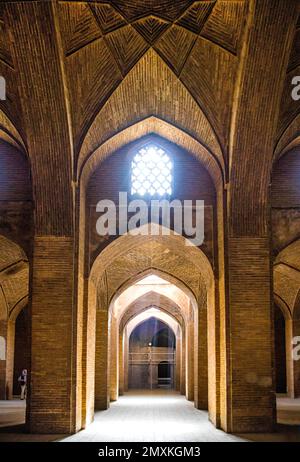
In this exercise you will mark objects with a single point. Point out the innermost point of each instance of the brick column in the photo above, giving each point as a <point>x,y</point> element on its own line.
<point>90,342</point>
<point>251,397</point>
<point>126,353</point>
<point>52,378</point>
<point>50,396</point>
<point>182,362</point>
<point>178,362</point>
<point>190,360</point>
<point>121,364</point>
<point>102,377</point>
<point>248,322</point>
<point>201,362</point>
<point>289,357</point>
<point>114,360</point>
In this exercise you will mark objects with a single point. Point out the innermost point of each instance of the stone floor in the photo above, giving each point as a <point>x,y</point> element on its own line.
<point>288,411</point>
<point>150,416</point>
<point>12,413</point>
<point>12,418</point>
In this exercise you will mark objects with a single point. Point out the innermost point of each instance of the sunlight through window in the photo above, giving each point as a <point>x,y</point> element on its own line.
<point>151,172</point>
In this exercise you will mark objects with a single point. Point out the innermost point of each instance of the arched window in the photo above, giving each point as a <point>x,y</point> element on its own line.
<point>151,172</point>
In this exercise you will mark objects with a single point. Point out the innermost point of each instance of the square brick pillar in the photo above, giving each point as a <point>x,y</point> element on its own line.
<point>183,362</point>
<point>121,364</point>
<point>114,360</point>
<point>190,358</point>
<point>250,380</point>
<point>102,374</point>
<point>90,341</point>
<point>52,316</point>
<point>178,362</point>
<point>126,358</point>
<point>201,359</point>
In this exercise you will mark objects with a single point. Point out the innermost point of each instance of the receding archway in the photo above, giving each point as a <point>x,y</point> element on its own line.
<point>166,309</point>
<point>141,314</point>
<point>286,296</point>
<point>152,340</point>
<point>187,255</point>
<point>152,126</point>
<point>14,277</point>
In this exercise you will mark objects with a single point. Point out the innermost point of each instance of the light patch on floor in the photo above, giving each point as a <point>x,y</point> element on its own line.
<point>151,417</point>
<point>12,412</point>
<point>288,411</point>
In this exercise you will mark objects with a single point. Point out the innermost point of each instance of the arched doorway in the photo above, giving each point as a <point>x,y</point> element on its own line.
<point>21,348</point>
<point>14,277</point>
<point>99,272</point>
<point>151,344</point>
<point>165,374</point>
<point>141,301</point>
<point>16,211</point>
<point>285,201</point>
<point>196,315</point>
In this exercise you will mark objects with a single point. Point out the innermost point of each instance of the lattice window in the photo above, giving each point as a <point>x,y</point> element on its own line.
<point>151,173</point>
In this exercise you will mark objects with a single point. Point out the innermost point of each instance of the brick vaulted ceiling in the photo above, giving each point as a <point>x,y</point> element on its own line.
<point>99,67</point>
<point>170,41</point>
<point>199,41</point>
<point>190,44</point>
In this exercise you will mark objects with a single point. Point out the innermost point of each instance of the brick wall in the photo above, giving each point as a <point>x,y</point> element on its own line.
<point>52,315</point>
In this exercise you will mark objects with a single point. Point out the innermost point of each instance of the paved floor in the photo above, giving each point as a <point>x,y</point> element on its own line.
<point>159,416</point>
<point>288,411</point>
<point>12,419</point>
<point>150,416</point>
<point>12,412</point>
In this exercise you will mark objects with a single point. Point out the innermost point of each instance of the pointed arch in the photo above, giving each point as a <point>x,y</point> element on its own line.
<point>159,93</point>
<point>9,133</point>
<point>174,242</point>
<point>149,126</point>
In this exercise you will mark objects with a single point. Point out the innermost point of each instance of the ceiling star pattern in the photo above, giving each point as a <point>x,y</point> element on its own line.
<point>107,17</point>
<point>151,28</point>
<point>199,41</point>
<point>165,9</point>
<point>191,37</point>
<point>195,17</point>
<point>78,27</point>
<point>86,76</point>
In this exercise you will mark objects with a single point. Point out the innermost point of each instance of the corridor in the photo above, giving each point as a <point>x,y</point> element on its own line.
<point>143,416</point>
